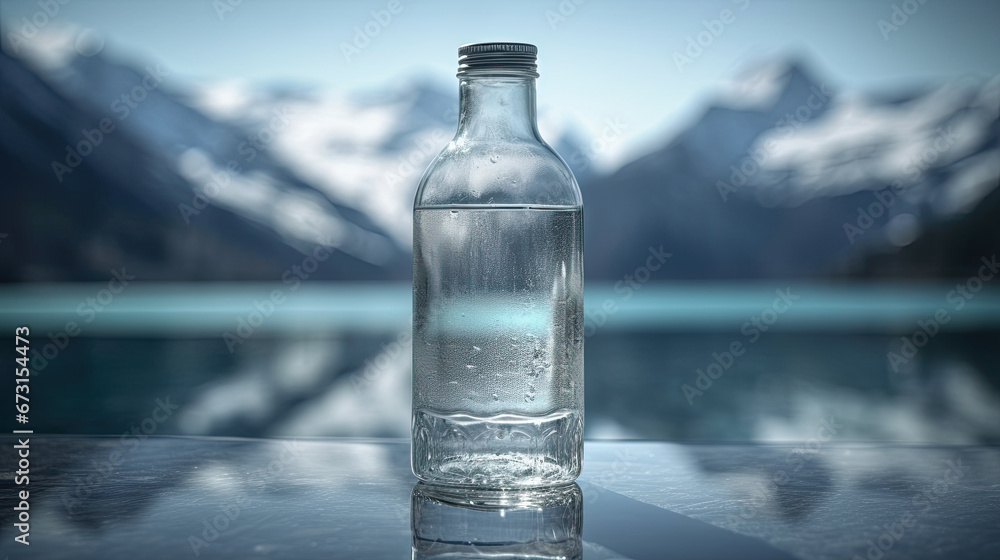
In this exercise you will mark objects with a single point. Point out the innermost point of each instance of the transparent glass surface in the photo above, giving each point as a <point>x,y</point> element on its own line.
<point>180,497</point>
<point>497,301</point>
<point>537,523</point>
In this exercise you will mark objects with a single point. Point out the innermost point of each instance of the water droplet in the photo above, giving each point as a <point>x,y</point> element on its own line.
<point>476,348</point>
<point>494,159</point>
<point>496,397</point>
<point>470,366</point>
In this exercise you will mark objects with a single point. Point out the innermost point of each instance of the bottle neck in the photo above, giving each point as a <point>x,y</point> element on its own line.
<point>495,108</point>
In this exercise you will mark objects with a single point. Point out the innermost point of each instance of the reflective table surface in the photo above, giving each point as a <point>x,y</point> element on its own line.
<point>164,497</point>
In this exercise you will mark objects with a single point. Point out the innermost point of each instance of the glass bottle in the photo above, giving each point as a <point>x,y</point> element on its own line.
<point>497,291</point>
<point>536,523</point>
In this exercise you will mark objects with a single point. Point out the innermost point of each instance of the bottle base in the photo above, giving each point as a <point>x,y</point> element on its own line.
<point>503,451</point>
<point>538,524</point>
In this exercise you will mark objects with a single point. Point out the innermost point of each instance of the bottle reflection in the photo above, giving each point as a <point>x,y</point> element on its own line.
<point>467,523</point>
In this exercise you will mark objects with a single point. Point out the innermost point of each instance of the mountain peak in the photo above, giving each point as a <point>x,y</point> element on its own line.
<point>761,84</point>
<point>54,46</point>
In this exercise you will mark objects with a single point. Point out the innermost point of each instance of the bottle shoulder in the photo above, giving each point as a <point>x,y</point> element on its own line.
<point>497,172</point>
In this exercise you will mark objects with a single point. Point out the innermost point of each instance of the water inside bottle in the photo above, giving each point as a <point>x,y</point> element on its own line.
<point>498,345</point>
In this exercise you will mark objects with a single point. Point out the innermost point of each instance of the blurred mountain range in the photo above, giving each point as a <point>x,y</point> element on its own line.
<point>784,176</point>
<point>111,164</point>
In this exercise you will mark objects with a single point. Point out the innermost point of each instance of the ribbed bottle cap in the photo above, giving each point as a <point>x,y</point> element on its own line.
<point>498,59</point>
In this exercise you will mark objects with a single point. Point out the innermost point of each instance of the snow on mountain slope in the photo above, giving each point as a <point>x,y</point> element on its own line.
<point>861,142</point>
<point>367,150</point>
<point>777,164</point>
<point>776,177</point>
<point>190,174</point>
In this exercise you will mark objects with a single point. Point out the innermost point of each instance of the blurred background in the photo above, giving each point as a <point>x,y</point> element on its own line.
<point>792,210</point>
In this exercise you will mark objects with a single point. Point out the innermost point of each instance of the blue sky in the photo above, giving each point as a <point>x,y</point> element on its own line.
<point>598,59</point>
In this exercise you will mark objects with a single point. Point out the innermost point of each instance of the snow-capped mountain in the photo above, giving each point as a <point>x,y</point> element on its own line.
<point>785,175</point>
<point>368,149</point>
<point>264,168</point>
<point>110,165</point>
<point>782,175</point>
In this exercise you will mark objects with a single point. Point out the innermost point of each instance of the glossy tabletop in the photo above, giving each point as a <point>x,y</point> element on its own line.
<point>233,498</point>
